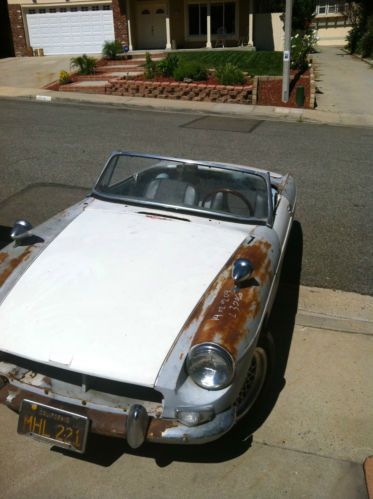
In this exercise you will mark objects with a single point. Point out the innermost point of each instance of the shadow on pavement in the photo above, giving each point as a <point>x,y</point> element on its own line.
<point>105,451</point>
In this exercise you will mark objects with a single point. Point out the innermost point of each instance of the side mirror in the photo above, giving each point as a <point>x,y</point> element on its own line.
<point>21,229</point>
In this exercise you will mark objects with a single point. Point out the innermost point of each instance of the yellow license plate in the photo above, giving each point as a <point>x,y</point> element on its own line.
<point>56,426</point>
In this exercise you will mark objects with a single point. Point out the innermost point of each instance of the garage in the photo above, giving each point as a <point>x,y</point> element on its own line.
<point>70,30</point>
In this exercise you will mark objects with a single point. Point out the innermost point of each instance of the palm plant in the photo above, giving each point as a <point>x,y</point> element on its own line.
<point>85,64</point>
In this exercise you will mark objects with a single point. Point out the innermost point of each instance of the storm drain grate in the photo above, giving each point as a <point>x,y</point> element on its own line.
<point>223,124</point>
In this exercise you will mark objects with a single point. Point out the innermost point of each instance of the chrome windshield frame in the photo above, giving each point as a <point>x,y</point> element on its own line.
<point>265,175</point>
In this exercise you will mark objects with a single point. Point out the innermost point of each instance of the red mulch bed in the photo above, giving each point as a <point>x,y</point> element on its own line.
<point>270,91</point>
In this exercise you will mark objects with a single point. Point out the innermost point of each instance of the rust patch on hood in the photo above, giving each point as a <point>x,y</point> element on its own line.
<point>3,256</point>
<point>13,263</point>
<point>225,320</point>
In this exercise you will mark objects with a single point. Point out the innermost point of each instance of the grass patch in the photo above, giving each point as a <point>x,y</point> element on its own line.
<point>255,63</point>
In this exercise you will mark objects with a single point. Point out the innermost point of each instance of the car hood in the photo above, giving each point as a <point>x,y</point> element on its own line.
<point>110,294</point>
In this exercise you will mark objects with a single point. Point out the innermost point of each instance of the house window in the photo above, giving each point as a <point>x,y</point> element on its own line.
<point>73,9</point>
<point>197,18</point>
<point>106,7</point>
<point>95,7</point>
<point>223,18</point>
<point>325,8</point>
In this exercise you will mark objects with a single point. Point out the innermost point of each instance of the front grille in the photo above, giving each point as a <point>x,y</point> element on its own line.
<point>116,388</point>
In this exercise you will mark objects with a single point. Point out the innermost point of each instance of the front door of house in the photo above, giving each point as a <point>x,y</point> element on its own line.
<point>151,25</point>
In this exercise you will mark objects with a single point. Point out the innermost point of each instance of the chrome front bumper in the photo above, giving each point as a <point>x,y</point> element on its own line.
<point>117,424</point>
<point>201,434</point>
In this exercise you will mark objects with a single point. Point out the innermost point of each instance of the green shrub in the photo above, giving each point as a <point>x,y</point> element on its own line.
<point>111,49</point>
<point>167,66</point>
<point>367,44</point>
<point>85,64</point>
<point>149,67</point>
<point>64,77</point>
<point>230,74</point>
<point>301,46</point>
<point>190,70</point>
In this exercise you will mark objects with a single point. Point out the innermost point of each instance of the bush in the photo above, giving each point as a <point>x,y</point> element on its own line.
<point>367,44</point>
<point>167,66</point>
<point>85,64</point>
<point>190,70</point>
<point>111,49</point>
<point>149,67</point>
<point>64,77</point>
<point>301,46</point>
<point>230,74</point>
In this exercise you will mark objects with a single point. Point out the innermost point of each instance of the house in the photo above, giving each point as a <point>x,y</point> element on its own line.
<point>81,26</point>
<point>332,22</point>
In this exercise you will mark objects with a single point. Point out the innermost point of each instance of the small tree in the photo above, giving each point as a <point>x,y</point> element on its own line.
<point>303,14</point>
<point>360,37</point>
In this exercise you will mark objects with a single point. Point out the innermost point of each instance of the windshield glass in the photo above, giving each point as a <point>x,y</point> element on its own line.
<point>171,184</point>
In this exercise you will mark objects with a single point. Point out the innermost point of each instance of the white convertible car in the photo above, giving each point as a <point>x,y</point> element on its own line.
<point>140,313</point>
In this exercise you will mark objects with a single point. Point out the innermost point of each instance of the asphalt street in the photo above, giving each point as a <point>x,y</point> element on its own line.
<point>50,154</point>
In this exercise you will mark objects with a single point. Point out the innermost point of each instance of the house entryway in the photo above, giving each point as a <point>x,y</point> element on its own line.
<point>151,25</point>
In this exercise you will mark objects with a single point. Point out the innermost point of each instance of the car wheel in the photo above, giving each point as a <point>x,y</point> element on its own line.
<point>257,376</point>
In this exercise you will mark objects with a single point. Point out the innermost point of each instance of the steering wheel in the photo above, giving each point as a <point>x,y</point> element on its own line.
<point>234,193</point>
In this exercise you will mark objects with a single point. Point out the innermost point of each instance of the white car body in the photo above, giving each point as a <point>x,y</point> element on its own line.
<point>117,294</point>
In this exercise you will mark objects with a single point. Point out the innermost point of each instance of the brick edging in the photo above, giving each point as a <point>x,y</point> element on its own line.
<point>181,91</point>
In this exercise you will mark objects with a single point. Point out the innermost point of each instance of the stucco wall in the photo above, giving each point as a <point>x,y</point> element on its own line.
<point>268,32</point>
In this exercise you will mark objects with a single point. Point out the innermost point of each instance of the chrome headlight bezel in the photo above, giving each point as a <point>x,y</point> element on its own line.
<point>205,353</point>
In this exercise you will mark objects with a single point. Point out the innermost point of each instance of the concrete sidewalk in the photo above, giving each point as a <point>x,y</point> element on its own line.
<point>313,443</point>
<point>345,82</point>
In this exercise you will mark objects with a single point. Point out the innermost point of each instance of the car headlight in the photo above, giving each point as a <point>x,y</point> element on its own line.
<point>210,366</point>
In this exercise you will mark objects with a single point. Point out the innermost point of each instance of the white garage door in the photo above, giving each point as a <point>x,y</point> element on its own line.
<point>70,30</point>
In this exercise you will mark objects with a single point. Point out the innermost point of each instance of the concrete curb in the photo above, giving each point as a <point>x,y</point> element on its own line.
<point>245,111</point>
<point>333,310</point>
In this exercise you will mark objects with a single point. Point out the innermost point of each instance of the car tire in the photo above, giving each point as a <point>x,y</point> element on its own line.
<point>258,378</point>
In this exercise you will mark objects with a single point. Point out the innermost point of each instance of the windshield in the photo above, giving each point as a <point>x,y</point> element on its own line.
<point>205,189</point>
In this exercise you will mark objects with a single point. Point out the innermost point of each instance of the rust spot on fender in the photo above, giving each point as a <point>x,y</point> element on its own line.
<point>225,320</point>
<point>14,263</point>
<point>3,256</point>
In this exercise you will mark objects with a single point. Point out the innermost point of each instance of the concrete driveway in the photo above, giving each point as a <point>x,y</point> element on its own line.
<point>345,82</point>
<point>32,72</point>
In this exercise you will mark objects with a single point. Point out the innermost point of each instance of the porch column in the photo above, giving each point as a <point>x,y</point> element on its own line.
<point>130,46</point>
<point>168,31</point>
<point>208,42</point>
<point>250,42</point>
